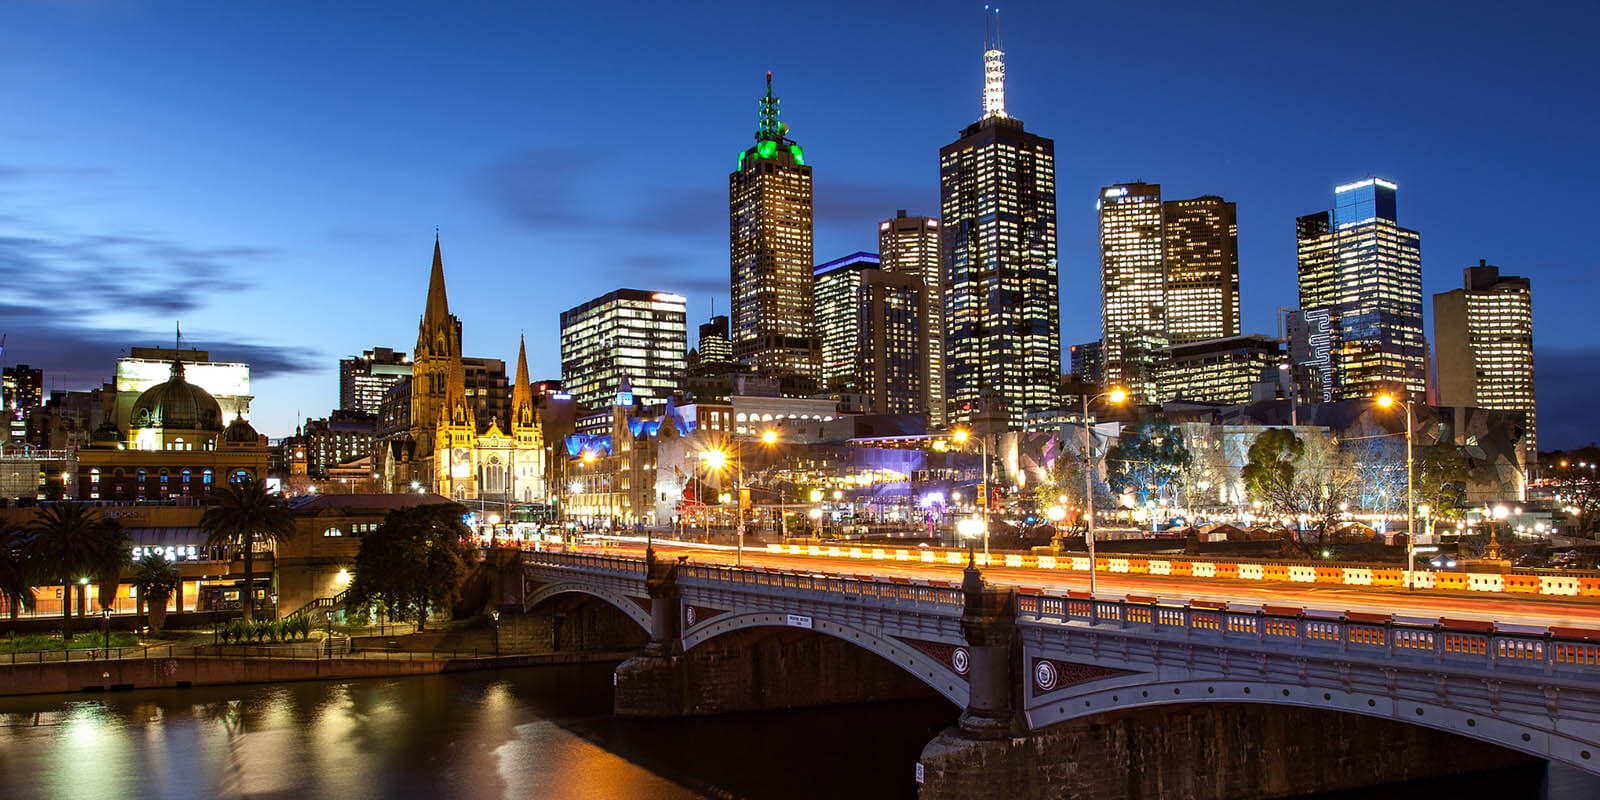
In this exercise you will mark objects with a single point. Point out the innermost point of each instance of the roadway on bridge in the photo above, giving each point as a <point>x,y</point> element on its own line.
<point>1507,610</point>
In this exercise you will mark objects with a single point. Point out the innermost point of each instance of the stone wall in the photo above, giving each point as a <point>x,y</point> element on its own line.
<point>760,669</point>
<point>1199,752</point>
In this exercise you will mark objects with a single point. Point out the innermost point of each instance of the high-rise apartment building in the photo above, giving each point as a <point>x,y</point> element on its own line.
<point>21,386</point>
<point>1363,272</point>
<point>1483,342</point>
<point>714,345</point>
<point>997,211</point>
<point>1202,251</point>
<point>871,321</point>
<point>769,205</point>
<point>1133,287</point>
<point>631,335</point>
<point>364,379</point>
<point>910,245</point>
<point>1085,362</point>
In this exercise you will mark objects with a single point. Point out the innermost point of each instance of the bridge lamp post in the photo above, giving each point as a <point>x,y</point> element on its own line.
<point>1385,401</point>
<point>970,529</point>
<point>1055,514</point>
<point>1115,396</point>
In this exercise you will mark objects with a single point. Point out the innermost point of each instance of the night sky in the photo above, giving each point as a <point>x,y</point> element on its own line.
<point>271,174</point>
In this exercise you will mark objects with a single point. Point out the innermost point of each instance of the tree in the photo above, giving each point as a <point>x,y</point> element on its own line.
<point>1577,489</point>
<point>1269,470</point>
<point>119,554</point>
<point>1440,478</point>
<point>1149,459</point>
<point>157,579</point>
<point>69,543</point>
<point>242,513</point>
<point>16,584</point>
<point>415,561</point>
<point>1064,478</point>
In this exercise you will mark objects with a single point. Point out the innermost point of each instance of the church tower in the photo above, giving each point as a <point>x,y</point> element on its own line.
<point>436,365</point>
<point>527,429</point>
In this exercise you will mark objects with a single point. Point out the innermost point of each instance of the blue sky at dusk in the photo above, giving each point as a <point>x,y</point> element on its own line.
<point>271,174</point>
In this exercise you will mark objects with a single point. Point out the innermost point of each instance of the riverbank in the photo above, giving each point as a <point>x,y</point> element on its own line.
<point>200,667</point>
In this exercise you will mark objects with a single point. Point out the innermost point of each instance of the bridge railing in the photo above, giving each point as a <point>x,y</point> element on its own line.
<point>1558,651</point>
<point>922,596</point>
<point>587,562</point>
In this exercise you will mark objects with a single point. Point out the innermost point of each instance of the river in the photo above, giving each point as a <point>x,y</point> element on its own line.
<point>529,733</point>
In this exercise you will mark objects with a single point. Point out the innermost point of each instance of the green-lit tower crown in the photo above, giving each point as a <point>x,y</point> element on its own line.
<point>771,133</point>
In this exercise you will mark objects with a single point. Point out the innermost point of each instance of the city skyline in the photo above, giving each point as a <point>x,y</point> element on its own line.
<point>83,202</point>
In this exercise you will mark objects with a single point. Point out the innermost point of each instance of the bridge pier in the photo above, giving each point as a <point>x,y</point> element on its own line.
<point>1199,752</point>
<point>653,683</point>
<point>989,623</point>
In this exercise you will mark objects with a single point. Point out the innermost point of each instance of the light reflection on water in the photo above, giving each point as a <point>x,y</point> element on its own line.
<point>538,733</point>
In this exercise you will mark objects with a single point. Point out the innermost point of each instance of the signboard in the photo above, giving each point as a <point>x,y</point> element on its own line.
<point>798,621</point>
<point>920,773</point>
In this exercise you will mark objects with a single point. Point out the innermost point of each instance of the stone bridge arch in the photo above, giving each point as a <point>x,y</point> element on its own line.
<point>1571,740</point>
<point>936,674</point>
<point>548,591</point>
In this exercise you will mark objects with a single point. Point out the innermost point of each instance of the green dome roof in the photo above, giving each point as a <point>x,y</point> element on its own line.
<point>176,404</point>
<point>240,432</point>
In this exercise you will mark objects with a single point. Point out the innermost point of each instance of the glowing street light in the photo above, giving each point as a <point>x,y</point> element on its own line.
<point>970,529</point>
<point>769,437</point>
<point>1055,513</point>
<point>1116,395</point>
<point>1385,401</point>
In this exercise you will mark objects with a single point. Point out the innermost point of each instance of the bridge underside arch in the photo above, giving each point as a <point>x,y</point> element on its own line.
<point>632,610</point>
<point>930,671</point>
<point>1566,740</point>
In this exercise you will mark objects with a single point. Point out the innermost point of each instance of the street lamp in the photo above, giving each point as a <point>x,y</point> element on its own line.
<point>1384,401</point>
<point>970,529</point>
<point>1116,395</point>
<point>960,436</point>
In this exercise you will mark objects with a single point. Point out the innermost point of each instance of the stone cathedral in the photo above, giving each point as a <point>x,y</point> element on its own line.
<point>448,449</point>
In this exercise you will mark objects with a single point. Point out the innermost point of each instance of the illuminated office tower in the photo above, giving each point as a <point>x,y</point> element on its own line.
<point>1133,287</point>
<point>1202,251</point>
<point>713,345</point>
<point>1363,271</point>
<point>873,343</point>
<point>21,386</point>
<point>628,336</point>
<point>769,204</point>
<point>997,214</point>
<point>365,379</point>
<point>911,245</point>
<point>1483,338</point>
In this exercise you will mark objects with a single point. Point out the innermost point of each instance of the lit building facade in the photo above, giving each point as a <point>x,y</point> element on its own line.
<point>1133,287</point>
<point>1202,251</point>
<point>1362,272</point>
<point>341,437</point>
<point>1483,340</point>
<point>451,447</point>
<point>873,342</point>
<point>1228,371</point>
<point>997,219</point>
<point>364,379</point>
<point>910,245</point>
<point>714,345</point>
<point>770,252</point>
<point>631,335</point>
<point>1085,362</point>
<point>21,386</point>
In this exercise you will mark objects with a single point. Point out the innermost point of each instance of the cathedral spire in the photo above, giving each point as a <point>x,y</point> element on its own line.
<point>522,410</point>
<point>437,312</point>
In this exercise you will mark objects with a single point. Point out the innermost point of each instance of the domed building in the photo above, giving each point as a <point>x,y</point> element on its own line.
<point>175,447</point>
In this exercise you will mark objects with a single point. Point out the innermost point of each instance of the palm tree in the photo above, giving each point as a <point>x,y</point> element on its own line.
<point>68,542</point>
<point>157,579</point>
<point>119,554</point>
<point>16,586</point>
<point>241,513</point>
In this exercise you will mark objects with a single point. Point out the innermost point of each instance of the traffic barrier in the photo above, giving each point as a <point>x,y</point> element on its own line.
<point>1589,587</point>
<point>1299,574</point>
<point>1047,562</point>
<point>1013,560</point>
<point>1521,584</point>
<point>1251,572</point>
<point>1274,572</point>
<point>1424,580</point>
<point>1160,567</point>
<point>855,552</point>
<point>1139,566</point>
<point>1226,570</point>
<point>1559,585</point>
<point>1454,581</point>
<point>1388,577</point>
<point>902,555</point>
<point>1328,574</point>
<point>1183,568</point>
<point>1117,565</point>
<point>1355,576</point>
<point>1203,569</point>
<point>1080,564</point>
<point>1482,582</point>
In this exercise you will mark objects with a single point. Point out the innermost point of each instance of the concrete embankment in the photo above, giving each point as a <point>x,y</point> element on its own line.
<point>201,670</point>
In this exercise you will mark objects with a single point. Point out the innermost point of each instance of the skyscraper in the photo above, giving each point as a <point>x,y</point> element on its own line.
<point>364,379</point>
<point>997,209</point>
<point>911,245</point>
<point>1364,272</point>
<point>1133,287</point>
<point>769,205</point>
<point>872,338</point>
<point>1202,251</point>
<point>1483,339</point>
<point>628,335</point>
<point>714,345</point>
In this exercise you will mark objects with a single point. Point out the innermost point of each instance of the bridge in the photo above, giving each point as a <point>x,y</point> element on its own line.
<point>1052,669</point>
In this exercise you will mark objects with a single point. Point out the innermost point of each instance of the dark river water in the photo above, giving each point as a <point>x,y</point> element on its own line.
<point>531,733</point>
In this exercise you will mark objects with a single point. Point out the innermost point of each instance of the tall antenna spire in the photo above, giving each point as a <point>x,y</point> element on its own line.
<point>994,65</point>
